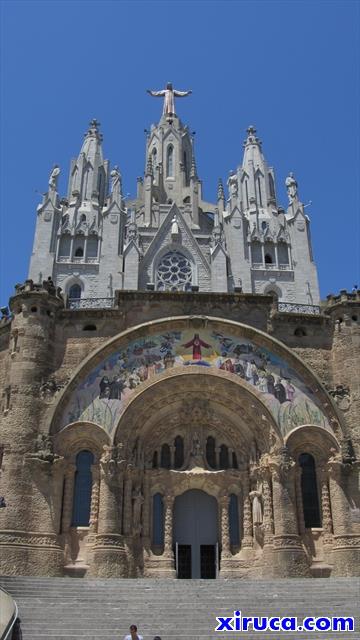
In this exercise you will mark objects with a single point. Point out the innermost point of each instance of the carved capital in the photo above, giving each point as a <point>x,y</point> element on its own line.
<point>282,465</point>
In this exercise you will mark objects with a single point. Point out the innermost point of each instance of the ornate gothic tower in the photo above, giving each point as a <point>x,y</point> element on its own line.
<point>79,239</point>
<point>169,238</point>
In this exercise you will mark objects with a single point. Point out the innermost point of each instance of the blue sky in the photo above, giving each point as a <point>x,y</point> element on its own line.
<point>289,68</point>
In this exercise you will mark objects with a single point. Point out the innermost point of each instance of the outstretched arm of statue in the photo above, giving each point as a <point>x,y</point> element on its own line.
<point>156,94</point>
<point>182,94</point>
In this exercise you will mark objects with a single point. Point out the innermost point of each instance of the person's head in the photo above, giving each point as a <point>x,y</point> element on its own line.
<point>133,629</point>
<point>157,638</point>
<point>169,85</point>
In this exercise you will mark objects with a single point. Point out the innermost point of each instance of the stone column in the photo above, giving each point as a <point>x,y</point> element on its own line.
<point>95,495</point>
<point>290,559</point>
<point>146,512</point>
<point>217,457</point>
<point>168,525</point>
<point>69,480</point>
<point>166,565</point>
<point>346,550</point>
<point>327,524</point>
<point>127,508</point>
<point>109,556</point>
<point>268,518</point>
<point>224,502</point>
<point>248,539</point>
<point>299,501</point>
<point>172,456</point>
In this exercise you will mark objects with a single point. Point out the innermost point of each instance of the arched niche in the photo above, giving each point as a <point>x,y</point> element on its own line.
<point>204,402</point>
<point>171,346</point>
<point>314,440</point>
<point>78,436</point>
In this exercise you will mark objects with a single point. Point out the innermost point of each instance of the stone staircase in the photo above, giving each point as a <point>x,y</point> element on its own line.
<point>75,609</point>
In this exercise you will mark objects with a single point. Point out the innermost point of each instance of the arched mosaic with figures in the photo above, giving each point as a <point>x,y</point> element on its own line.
<point>101,396</point>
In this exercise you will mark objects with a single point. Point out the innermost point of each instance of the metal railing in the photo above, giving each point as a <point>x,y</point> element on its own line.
<point>108,303</point>
<point>294,307</point>
<point>271,267</point>
<point>90,303</point>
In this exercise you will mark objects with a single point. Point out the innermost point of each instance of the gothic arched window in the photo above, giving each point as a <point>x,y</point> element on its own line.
<point>165,458</point>
<point>179,452</point>
<point>256,253</point>
<point>210,452</point>
<point>234,521</point>
<point>75,292</point>
<point>283,253</point>
<point>154,158</point>
<point>170,161</point>
<point>158,520</point>
<point>82,489</point>
<point>271,186</point>
<point>174,273</point>
<point>92,247</point>
<point>259,192</point>
<point>64,246</point>
<point>309,490</point>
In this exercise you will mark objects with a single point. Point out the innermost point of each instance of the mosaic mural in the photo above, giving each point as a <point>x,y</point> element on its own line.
<point>100,397</point>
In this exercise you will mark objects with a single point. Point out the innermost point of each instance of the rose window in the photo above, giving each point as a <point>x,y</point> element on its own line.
<point>174,273</point>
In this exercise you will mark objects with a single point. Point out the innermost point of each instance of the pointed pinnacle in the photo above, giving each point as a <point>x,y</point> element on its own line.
<point>220,190</point>
<point>149,166</point>
<point>193,170</point>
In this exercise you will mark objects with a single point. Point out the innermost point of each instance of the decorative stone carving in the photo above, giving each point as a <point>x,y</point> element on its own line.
<point>111,461</point>
<point>49,388</point>
<point>268,518</point>
<point>341,395</point>
<point>292,188</point>
<point>115,181</point>
<point>347,451</point>
<point>327,523</point>
<point>281,464</point>
<point>138,500</point>
<point>26,539</point>
<point>225,525</point>
<point>168,524</point>
<point>257,509</point>
<point>196,411</point>
<point>54,176</point>
<point>95,496</point>
<point>232,184</point>
<point>44,449</point>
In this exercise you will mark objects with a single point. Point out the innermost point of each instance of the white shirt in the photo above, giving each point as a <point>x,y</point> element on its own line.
<point>128,637</point>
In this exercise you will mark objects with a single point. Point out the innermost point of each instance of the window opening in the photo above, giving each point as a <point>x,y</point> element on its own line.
<point>82,489</point>
<point>309,491</point>
<point>75,292</point>
<point>170,161</point>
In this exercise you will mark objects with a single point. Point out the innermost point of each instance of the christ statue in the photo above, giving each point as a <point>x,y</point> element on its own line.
<point>169,94</point>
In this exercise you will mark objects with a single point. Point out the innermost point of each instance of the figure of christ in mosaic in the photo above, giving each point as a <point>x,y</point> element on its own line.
<point>196,343</point>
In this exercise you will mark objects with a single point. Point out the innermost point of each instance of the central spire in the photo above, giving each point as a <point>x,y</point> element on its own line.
<point>169,93</point>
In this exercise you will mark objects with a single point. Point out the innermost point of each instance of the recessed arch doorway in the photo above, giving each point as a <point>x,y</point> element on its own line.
<point>195,534</point>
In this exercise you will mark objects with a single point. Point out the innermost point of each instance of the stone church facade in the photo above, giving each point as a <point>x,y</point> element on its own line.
<point>176,400</point>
